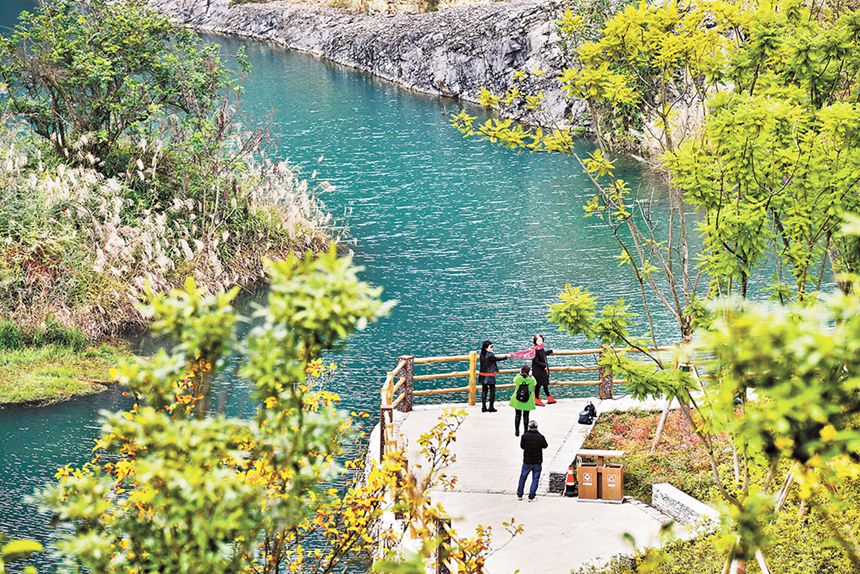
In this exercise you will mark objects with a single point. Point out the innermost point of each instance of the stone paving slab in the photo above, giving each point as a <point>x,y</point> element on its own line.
<point>560,534</point>
<point>488,453</point>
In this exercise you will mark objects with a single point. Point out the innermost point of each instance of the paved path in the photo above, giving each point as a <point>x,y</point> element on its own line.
<point>560,533</point>
<point>488,452</point>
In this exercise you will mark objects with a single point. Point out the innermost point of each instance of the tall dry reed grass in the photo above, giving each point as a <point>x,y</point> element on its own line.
<point>79,248</point>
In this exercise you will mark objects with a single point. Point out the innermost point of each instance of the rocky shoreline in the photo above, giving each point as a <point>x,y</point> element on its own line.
<point>453,52</point>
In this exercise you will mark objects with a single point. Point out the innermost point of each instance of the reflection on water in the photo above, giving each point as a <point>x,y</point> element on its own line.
<point>473,241</point>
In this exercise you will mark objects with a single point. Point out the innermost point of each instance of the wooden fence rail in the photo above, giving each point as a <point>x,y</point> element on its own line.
<point>399,392</point>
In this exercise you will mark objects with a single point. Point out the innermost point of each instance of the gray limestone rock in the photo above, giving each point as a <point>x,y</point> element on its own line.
<point>453,52</point>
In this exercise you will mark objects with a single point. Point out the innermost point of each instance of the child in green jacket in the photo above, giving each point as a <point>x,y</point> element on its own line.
<point>522,408</point>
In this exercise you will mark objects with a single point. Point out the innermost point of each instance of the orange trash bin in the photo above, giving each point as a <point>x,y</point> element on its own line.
<point>589,485</point>
<point>612,482</point>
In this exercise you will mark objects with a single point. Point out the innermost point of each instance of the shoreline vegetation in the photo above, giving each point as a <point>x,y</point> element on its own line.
<point>126,168</point>
<point>81,248</point>
<point>41,376</point>
<point>50,363</point>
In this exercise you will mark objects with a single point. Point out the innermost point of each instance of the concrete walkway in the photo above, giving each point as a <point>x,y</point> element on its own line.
<point>560,534</point>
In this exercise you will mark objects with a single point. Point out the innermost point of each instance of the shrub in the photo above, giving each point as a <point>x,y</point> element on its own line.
<point>679,459</point>
<point>51,332</point>
<point>54,333</point>
<point>11,336</point>
<point>800,540</point>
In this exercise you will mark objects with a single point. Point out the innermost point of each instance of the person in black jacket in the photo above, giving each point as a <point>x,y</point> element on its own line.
<point>487,375</point>
<point>532,443</point>
<point>540,370</point>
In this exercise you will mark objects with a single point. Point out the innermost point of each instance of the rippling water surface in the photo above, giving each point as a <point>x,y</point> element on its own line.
<point>473,241</point>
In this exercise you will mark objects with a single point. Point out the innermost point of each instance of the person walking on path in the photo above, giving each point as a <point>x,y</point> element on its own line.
<point>487,375</point>
<point>523,399</point>
<point>532,443</point>
<point>540,367</point>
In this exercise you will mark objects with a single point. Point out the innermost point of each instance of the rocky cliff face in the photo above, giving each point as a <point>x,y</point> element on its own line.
<point>453,52</point>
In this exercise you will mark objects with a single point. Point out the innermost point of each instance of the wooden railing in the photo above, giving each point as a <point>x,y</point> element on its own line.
<point>399,390</point>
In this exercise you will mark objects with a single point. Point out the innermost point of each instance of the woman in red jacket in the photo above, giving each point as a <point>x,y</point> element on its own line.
<point>540,367</point>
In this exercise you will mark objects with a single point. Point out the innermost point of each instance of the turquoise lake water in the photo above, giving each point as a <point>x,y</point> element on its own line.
<point>473,241</point>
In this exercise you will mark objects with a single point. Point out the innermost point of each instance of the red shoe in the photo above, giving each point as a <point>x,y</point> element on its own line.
<point>550,400</point>
<point>539,402</point>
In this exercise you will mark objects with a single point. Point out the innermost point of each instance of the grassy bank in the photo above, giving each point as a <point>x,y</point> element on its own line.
<point>52,373</point>
<point>801,539</point>
<point>50,362</point>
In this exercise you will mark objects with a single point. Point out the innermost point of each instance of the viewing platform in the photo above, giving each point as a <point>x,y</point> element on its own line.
<point>560,533</point>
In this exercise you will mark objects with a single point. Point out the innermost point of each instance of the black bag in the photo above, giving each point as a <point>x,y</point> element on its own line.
<point>523,392</point>
<point>587,415</point>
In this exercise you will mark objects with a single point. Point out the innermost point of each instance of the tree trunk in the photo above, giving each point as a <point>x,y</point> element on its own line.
<point>736,463</point>
<point>783,492</point>
<point>660,426</point>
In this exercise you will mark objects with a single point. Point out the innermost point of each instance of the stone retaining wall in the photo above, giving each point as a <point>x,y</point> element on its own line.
<point>683,507</point>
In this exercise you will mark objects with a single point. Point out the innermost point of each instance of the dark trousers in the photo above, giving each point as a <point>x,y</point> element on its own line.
<point>525,416</point>
<point>534,470</point>
<point>542,378</point>
<point>488,384</point>
<point>492,392</point>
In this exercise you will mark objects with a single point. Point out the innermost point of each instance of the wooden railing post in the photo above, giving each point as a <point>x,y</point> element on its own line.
<point>386,397</point>
<point>606,382</point>
<point>443,525</point>
<point>473,360</point>
<point>381,433</point>
<point>409,386</point>
<point>388,392</point>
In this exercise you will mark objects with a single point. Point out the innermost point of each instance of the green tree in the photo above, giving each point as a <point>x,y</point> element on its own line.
<point>166,178</point>
<point>749,110</point>
<point>781,383</point>
<point>85,74</point>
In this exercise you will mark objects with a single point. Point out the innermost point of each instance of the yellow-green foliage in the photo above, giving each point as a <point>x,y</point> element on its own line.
<point>12,551</point>
<point>204,493</point>
<point>751,110</point>
<point>801,537</point>
<point>801,545</point>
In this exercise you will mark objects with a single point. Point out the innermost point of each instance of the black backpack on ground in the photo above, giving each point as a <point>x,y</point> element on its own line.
<point>587,415</point>
<point>523,392</point>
